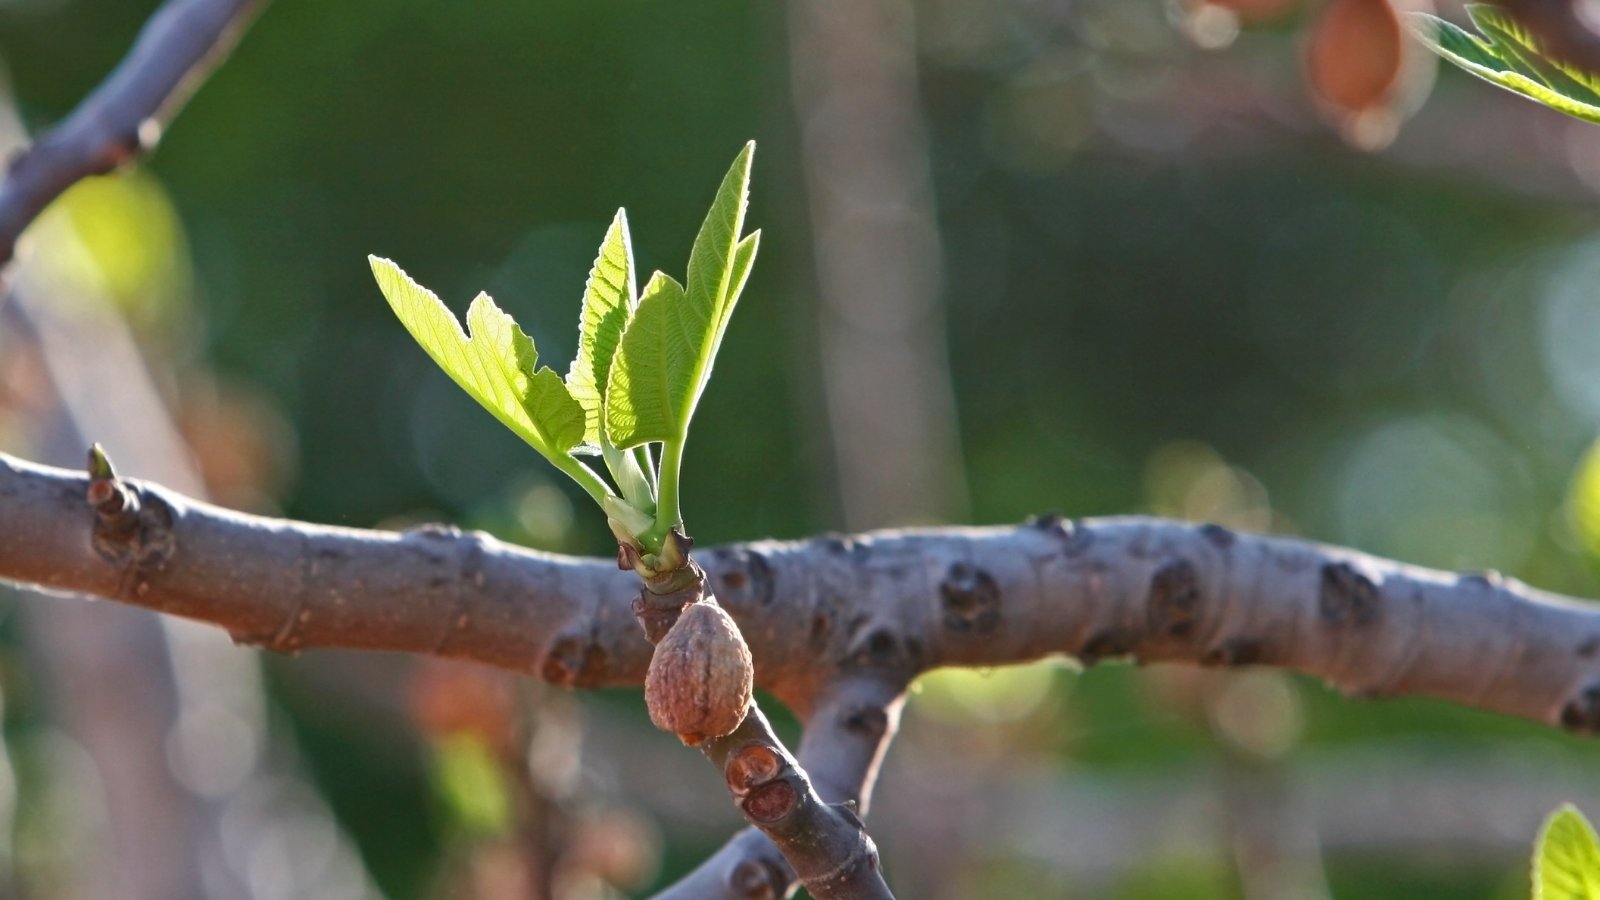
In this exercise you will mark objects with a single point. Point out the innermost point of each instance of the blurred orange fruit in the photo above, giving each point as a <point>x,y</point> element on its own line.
<point>1354,56</point>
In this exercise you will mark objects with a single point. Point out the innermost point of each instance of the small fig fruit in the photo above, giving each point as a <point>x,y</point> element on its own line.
<point>701,675</point>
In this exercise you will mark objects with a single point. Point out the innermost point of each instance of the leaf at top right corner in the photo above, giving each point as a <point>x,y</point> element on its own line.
<point>1508,57</point>
<point>1566,859</point>
<point>1525,53</point>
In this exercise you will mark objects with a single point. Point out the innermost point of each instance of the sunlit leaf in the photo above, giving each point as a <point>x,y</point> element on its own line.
<point>666,355</point>
<point>714,281</point>
<point>493,361</point>
<point>608,300</point>
<point>652,368</point>
<point>1566,859</point>
<point>1523,52</point>
<point>1507,65</point>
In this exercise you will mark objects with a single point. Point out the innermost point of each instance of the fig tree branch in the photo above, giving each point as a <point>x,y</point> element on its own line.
<point>823,845</point>
<point>124,117</point>
<point>698,687</point>
<point>892,602</point>
<point>846,735</point>
<point>837,625</point>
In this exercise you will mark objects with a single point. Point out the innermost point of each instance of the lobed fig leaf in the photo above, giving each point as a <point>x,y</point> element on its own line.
<point>493,360</point>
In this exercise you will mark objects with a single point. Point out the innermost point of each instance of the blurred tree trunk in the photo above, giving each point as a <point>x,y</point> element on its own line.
<point>885,356</point>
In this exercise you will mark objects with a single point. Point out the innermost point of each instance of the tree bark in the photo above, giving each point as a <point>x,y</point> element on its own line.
<point>123,118</point>
<point>890,603</point>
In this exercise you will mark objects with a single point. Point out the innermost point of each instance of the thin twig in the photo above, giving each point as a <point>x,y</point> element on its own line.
<point>698,682</point>
<point>844,741</point>
<point>825,845</point>
<point>124,117</point>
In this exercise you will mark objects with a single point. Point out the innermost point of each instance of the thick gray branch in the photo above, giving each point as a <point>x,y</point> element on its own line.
<point>123,118</point>
<point>895,603</point>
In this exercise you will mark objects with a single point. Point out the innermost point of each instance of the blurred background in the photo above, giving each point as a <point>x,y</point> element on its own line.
<point>1253,262</point>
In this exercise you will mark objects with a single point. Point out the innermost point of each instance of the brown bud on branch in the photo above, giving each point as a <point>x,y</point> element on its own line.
<point>701,675</point>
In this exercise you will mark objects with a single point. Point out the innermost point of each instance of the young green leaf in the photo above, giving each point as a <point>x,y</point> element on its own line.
<point>744,259</point>
<point>1510,58</point>
<point>608,302</point>
<point>651,370</point>
<point>666,354</point>
<point>1566,858</point>
<point>1522,51</point>
<point>493,361</point>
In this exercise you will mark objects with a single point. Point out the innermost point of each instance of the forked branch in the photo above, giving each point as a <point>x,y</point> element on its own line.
<point>698,686</point>
<point>846,735</point>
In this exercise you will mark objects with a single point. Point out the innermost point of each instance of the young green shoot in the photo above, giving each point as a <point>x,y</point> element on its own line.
<point>643,362</point>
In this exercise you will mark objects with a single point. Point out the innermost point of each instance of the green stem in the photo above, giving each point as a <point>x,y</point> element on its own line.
<point>641,455</point>
<point>592,484</point>
<point>637,486</point>
<point>667,513</point>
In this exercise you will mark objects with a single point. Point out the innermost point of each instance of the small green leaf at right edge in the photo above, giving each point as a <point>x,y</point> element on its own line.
<point>1566,858</point>
<point>1510,58</point>
<point>1521,50</point>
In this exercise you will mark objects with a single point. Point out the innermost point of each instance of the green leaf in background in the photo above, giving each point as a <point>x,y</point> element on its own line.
<point>473,785</point>
<point>1510,57</point>
<point>608,302</point>
<point>493,361</point>
<point>1566,859</point>
<point>1583,500</point>
<point>667,352</point>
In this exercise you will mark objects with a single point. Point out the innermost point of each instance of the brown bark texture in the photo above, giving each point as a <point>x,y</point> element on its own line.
<point>888,604</point>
